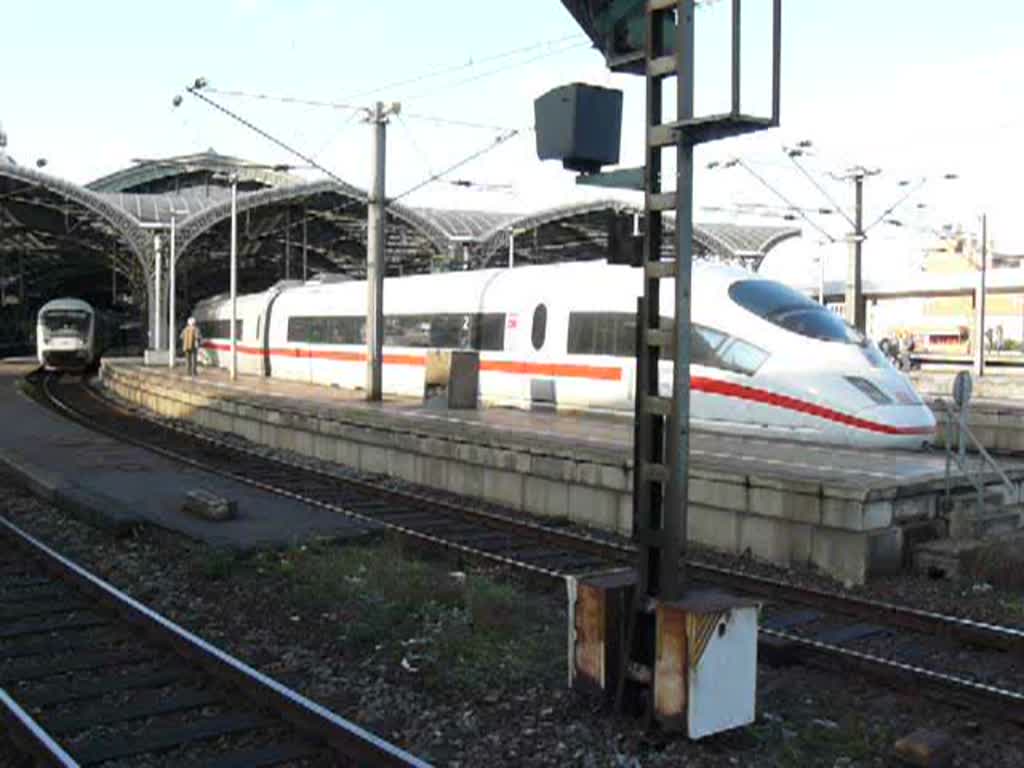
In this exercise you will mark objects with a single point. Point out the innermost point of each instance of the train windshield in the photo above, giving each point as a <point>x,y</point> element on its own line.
<point>66,322</point>
<point>790,309</point>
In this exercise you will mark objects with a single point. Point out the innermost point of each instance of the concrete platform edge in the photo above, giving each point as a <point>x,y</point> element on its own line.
<point>95,508</point>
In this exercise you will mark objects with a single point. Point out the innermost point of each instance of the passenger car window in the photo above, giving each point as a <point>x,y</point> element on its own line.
<point>540,326</point>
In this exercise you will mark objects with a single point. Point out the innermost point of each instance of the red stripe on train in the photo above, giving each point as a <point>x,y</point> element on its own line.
<point>604,373</point>
<point>730,389</point>
<point>562,370</point>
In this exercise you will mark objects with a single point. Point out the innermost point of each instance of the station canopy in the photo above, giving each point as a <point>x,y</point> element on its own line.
<point>60,238</point>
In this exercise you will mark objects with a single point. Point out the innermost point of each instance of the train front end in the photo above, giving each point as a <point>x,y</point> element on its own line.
<point>828,376</point>
<point>64,336</point>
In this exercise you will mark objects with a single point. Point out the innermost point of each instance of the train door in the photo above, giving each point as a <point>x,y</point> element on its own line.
<point>542,386</point>
<point>263,336</point>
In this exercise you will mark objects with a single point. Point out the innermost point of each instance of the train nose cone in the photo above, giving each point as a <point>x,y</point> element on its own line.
<point>899,426</point>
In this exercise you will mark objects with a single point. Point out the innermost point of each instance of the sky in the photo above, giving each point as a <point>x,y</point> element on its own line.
<point>916,88</point>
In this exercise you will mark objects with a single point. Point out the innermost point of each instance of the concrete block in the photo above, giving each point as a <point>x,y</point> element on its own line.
<point>793,501</point>
<point>303,441</point>
<point>549,467</point>
<point>852,515</point>
<point>437,447</point>
<point>347,453</point>
<point>625,521</point>
<point>466,479</point>
<point>373,459</point>
<point>614,477</point>
<point>546,497</point>
<point>209,506</point>
<point>323,448</point>
<point>402,464</point>
<point>913,508</point>
<point>714,527</point>
<point>593,507</point>
<point>432,472</point>
<point>925,749</point>
<point>713,492</point>
<point>523,461</point>
<point>776,540</point>
<point>502,487</point>
<point>587,473</point>
<point>844,554</point>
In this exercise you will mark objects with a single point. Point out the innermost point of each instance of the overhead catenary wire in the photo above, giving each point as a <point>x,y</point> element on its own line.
<point>500,70</point>
<point>345,106</point>
<point>818,186</point>
<point>479,153</point>
<point>764,182</point>
<point>415,145</point>
<point>458,67</point>
<point>269,137</point>
<point>498,141</point>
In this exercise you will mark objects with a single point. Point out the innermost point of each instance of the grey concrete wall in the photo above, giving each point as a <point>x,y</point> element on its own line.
<point>850,533</point>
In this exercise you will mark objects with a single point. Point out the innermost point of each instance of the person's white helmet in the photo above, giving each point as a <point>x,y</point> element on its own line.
<point>191,321</point>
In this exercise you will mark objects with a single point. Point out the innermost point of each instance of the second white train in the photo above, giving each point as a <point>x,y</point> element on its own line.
<point>766,359</point>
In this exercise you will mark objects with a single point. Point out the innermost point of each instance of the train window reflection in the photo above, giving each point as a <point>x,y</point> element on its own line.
<point>540,326</point>
<point>741,357</point>
<point>66,322</point>
<point>481,331</point>
<point>614,334</point>
<point>781,305</point>
<point>220,329</point>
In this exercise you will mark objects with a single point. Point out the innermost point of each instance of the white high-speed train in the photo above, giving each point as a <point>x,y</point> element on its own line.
<point>68,335</point>
<point>766,359</point>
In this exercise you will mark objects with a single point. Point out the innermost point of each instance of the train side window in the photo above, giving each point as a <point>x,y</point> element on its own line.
<point>704,345</point>
<point>489,332</point>
<point>540,326</point>
<point>741,357</point>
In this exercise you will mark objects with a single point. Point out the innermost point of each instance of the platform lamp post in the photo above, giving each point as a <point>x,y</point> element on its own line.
<point>171,269</point>
<point>234,275</point>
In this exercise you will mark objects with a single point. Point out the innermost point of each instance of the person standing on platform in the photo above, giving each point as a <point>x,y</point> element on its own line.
<point>190,341</point>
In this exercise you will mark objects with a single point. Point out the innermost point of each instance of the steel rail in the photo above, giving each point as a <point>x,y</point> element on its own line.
<point>31,737</point>
<point>999,702</point>
<point>347,740</point>
<point>965,630</point>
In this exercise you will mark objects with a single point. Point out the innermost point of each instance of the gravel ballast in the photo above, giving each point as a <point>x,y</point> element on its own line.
<point>464,671</point>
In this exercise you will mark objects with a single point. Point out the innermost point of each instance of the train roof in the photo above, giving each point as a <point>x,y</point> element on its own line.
<point>67,303</point>
<point>713,277</point>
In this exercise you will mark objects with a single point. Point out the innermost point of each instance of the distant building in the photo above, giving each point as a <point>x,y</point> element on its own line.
<point>1004,313</point>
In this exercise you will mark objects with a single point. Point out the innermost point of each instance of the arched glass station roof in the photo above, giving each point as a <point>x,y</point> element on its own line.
<point>60,237</point>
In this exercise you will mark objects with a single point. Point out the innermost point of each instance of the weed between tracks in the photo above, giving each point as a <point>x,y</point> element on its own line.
<point>455,632</point>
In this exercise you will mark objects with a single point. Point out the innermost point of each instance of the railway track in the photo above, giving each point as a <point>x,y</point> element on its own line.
<point>88,676</point>
<point>816,626</point>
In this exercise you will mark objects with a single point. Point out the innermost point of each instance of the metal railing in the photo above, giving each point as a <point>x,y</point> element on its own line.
<point>958,437</point>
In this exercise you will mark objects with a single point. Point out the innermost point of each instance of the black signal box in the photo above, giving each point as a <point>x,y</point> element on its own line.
<point>579,124</point>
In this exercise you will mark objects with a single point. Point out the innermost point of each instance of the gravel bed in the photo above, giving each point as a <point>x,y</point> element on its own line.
<point>805,717</point>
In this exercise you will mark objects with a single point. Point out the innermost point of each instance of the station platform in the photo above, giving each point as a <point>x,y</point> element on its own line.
<point>996,411</point>
<point>120,485</point>
<point>850,512</point>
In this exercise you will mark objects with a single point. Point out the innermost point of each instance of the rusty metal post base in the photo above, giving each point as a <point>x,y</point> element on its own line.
<point>705,670</point>
<point>692,667</point>
<point>598,611</point>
